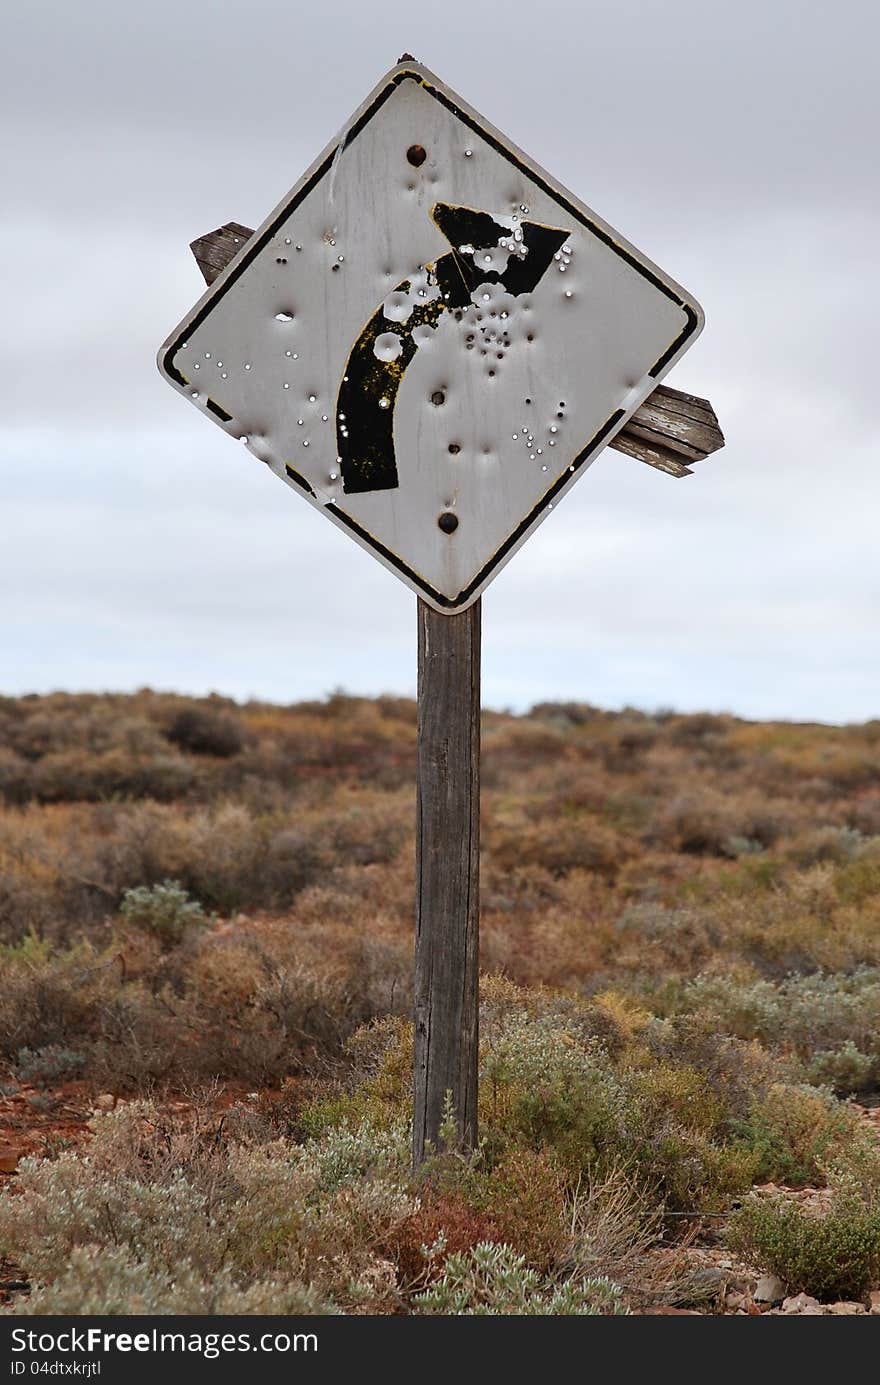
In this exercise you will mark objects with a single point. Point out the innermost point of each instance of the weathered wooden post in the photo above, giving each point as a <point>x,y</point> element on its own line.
<point>431,339</point>
<point>447,876</point>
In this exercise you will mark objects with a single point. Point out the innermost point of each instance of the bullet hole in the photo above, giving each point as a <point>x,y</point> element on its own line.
<point>448,522</point>
<point>416,155</point>
<point>528,401</point>
<point>438,398</point>
<point>454,449</point>
<point>281,259</point>
<point>284,317</point>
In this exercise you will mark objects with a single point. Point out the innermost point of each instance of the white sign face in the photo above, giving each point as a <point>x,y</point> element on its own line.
<point>430,338</point>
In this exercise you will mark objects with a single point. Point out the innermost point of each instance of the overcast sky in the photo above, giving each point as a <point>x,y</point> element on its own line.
<point>734,144</point>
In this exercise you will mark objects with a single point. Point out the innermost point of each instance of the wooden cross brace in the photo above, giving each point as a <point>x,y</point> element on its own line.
<point>670,431</point>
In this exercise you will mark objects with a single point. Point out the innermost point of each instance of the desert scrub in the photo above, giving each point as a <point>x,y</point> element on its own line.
<point>846,1070</point>
<point>137,1013</point>
<point>793,1131</point>
<point>238,1221</point>
<point>205,731</point>
<point>493,1279</point>
<point>557,1106</point>
<point>165,910</point>
<point>102,1280</point>
<point>830,1021</point>
<point>53,1063</point>
<point>835,1255</point>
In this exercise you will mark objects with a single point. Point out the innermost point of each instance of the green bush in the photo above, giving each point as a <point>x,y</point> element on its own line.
<point>846,1070</point>
<point>165,910</point>
<point>833,1256</point>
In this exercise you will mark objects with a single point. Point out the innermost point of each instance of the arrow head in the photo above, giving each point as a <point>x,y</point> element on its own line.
<point>531,251</point>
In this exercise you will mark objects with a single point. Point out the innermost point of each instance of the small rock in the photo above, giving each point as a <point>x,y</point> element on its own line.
<point>736,1300</point>
<point>105,1102</point>
<point>769,1289</point>
<point>801,1303</point>
<point>846,1307</point>
<point>708,1279</point>
<point>9,1160</point>
<point>874,1301</point>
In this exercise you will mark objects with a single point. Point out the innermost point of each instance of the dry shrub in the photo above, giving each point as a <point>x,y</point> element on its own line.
<point>613,1229</point>
<point>704,821</point>
<point>203,731</point>
<point>581,843</point>
<point>444,1223</point>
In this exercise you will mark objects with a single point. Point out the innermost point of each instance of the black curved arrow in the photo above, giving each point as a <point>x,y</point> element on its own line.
<point>368,393</point>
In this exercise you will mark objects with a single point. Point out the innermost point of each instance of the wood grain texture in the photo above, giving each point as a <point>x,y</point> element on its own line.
<point>447,875</point>
<point>217,249</point>
<point>670,431</point>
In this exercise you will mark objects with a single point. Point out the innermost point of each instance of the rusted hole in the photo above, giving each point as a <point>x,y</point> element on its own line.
<point>448,522</point>
<point>454,449</point>
<point>438,398</point>
<point>416,155</point>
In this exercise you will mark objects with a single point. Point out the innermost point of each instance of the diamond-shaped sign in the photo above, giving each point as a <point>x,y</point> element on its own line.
<point>430,338</point>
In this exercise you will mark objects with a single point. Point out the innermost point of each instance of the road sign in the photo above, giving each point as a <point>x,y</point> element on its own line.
<point>430,338</point>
